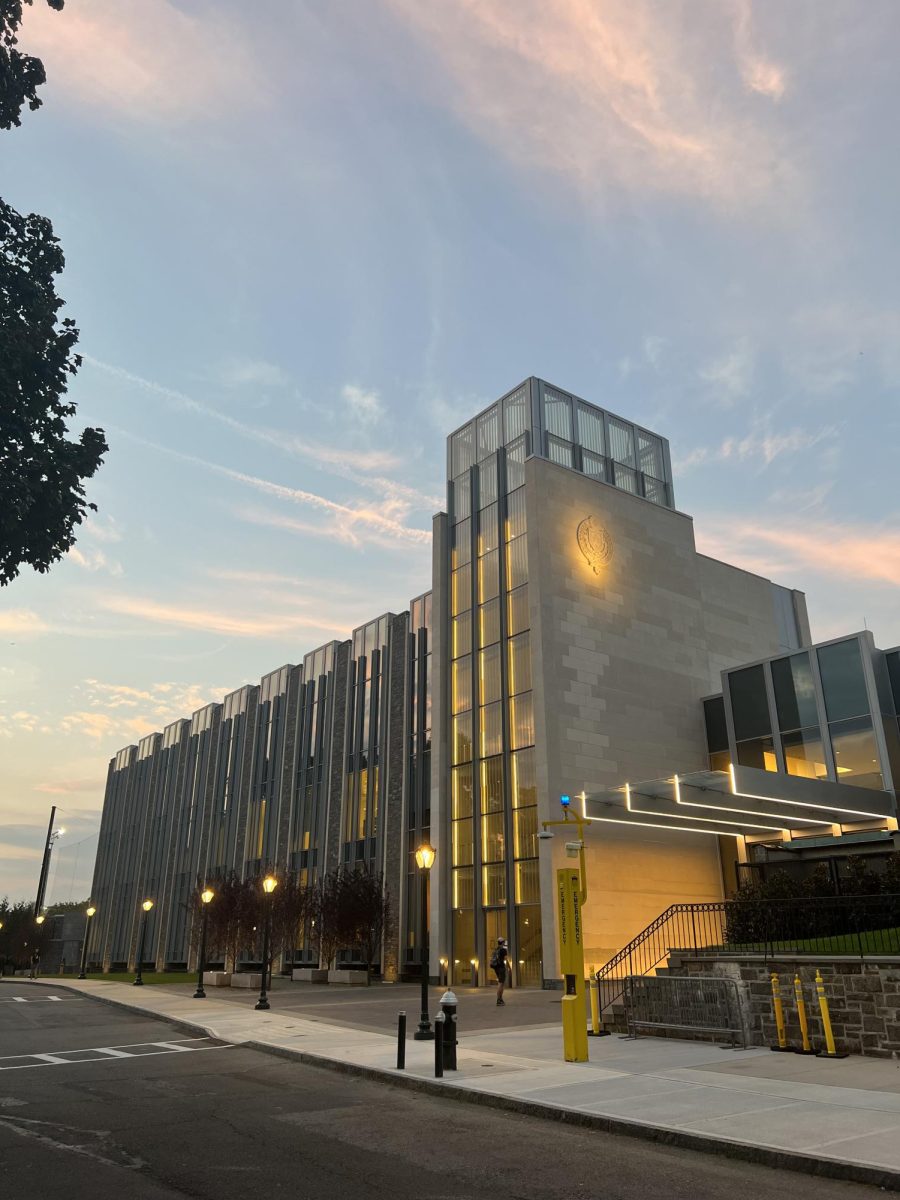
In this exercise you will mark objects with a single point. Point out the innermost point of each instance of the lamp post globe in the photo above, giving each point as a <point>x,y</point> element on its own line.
<point>206,897</point>
<point>39,920</point>
<point>269,884</point>
<point>88,913</point>
<point>138,977</point>
<point>424,861</point>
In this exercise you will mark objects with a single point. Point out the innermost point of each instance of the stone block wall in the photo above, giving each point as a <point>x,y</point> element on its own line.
<point>863,998</point>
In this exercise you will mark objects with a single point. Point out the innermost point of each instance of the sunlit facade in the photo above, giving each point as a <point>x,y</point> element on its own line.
<point>572,639</point>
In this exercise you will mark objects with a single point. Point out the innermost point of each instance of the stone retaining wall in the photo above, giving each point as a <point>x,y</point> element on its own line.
<point>863,998</point>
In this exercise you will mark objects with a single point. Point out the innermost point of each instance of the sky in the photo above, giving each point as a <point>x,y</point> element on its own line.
<point>304,247</point>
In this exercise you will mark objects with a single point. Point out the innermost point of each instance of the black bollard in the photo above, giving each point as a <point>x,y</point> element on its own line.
<point>401,1041</point>
<point>448,1009</point>
<point>439,1046</point>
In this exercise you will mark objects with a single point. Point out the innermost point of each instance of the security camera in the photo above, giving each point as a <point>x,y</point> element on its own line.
<point>545,835</point>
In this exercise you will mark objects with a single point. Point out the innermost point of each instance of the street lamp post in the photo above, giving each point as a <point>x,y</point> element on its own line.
<point>424,861</point>
<point>205,896</point>
<point>270,883</point>
<point>88,913</point>
<point>139,978</point>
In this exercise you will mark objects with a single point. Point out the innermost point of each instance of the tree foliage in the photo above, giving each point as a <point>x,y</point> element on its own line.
<point>20,74</point>
<point>42,468</point>
<point>20,935</point>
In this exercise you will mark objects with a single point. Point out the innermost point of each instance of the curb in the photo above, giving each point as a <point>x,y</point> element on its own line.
<point>784,1160</point>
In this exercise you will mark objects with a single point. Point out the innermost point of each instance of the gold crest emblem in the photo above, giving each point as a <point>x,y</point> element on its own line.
<point>594,543</point>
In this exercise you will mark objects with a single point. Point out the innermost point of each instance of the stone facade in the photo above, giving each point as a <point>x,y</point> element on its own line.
<point>863,999</point>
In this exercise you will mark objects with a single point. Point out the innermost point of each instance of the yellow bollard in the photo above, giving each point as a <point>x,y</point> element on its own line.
<point>801,1013</point>
<point>779,1014</point>
<point>829,1051</point>
<point>597,1029</point>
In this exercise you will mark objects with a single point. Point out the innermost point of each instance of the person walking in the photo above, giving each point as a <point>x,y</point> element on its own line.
<point>498,966</point>
<point>35,964</point>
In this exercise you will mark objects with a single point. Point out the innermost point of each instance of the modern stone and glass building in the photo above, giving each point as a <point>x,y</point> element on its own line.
<point>573,642</point>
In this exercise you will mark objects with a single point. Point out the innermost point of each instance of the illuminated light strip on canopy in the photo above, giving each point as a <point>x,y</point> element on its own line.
<point>685,817</point>
<point>642,824</point>
<point>753,812</point>
<point>853,812</point>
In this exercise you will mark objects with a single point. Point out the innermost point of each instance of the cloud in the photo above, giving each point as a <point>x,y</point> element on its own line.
<point>213,621</point>
<point>622,94</point>
<point>759,73</point>
<point>837,550</point>
<point>88,724</point>
<point>92,559</point>
<point>22,622</point>
<point>731,375</point>
<point>68,787</point>
<point>242,372</point>
<point>760,445</point>
<point>147,62</point>
<point>364,405</point>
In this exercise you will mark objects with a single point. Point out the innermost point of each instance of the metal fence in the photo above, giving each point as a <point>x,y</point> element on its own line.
<point>859,926</point>
<point>685,1004</point>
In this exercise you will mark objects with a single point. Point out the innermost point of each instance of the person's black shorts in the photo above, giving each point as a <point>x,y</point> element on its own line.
<point>500,972</point>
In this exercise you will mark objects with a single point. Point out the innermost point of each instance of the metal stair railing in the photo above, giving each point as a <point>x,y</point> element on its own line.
<point>687,927</point>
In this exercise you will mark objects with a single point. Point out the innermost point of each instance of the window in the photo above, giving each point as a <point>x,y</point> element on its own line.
<point>462,684</point>
<point>749,704</point>
<point>716,725</point>
<point>795,693</point>
<point>650,455</point>
<point>521,721</point>
<point>520,663</point>
<point>463,844</point>
<point>489,674</point>
<point>855,755</point>
<point>463,897</point>
<point>804,754</point>
<point>655,490</point>
<point>524,783</point>
<point>759,753</point>
<point>493,837</point>
<point>489,575</point>
<point>461,589</point>
<point>461,792</point>
<point>515,414</point>
<point>489,623</point>
<point>594,465</point>
<point>515,515</point>
<point>525,827</point>
<point>492,784</point>
<point>462,449</point>
<point>843,681</point>
<point>559,451</point>
<point>626,479</point>
<point>491,730</point>
<point>488,432</point>
<point>621,442</point>
<point>462,738</point>
<point>515,463</point>
<point>527,882</point>
<point>590,429</point>
<point>558,415</point>
<point>462,545</point>
<point>517,610</point>
<point>487,482</point>
<point>493,880</point>
<point>488,531</point>
<point>462,633</point>
<point>516,562</point>
<point>462,498</point>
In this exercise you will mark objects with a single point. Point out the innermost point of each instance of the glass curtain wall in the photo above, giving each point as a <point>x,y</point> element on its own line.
<point>493,817</point>
<point>363,800</point>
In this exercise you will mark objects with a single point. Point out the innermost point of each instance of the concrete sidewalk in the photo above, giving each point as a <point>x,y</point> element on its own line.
<point>833,1117</point>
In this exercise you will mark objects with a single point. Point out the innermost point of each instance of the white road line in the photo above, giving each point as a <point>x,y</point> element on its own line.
<point>19,1000</point>
<point>126,1046</point>
<point>54,997</point>
<point>52,1060</point>
<point>47,1058</point>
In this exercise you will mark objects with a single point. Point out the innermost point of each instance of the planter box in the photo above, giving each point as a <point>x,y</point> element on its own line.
<point>353,978</point>
<point>247,979</point>
<point>218,978</point>
<point>309,975</point>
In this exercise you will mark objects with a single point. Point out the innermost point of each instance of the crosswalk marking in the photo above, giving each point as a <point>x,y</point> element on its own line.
<point>59,1058</point>
<point>54,997</point>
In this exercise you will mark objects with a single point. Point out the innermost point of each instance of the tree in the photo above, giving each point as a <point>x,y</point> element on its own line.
<point>292,907</point>
<point>20,935</point>
<point>42,469</point>
<point>369,916</point>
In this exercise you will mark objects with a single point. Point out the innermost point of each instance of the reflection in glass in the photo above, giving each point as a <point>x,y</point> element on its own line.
<point>521,721</point>
<point>489,675</point>
<point>462,498</point>
<point>621,442</point>
<point>650,454</point>
<point>804,754</point>
<point>524,782</point>
<point>462,543</point>
<point>491,730</point>
<point>462,633</point>
<point>492,784</point>
<point>759,753</point>
<point>515,515</point>
<point>489,575</point>
<point>493,837</point>
<point>461,589</point>
<point>462,738</point>
<point>462,684</point>
<point>843,681</point>
<point>520,663</point>
<point>749,704</point>
<point>461,792</point>
<point>516,562</point>
<point>489,623</point>
<point>525,827</point>
<point>488,531</point>
<point>719,760</point>
<point>855,753</point>
<point>795,693</point>
<point>517,610</point>
<point>716,725</point>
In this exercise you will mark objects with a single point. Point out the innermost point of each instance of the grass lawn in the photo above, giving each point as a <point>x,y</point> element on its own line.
<point>148,977</point>
<point>873,941</point>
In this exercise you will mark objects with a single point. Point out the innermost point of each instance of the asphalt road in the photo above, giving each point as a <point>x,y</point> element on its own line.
<point>97,1103</point>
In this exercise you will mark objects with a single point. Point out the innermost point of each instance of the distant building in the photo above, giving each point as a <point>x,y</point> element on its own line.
<point>573,642</point>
